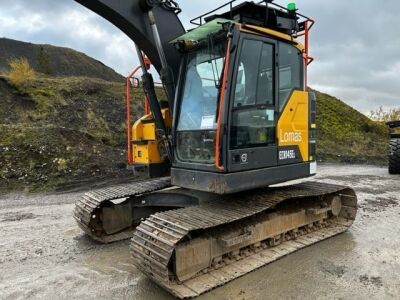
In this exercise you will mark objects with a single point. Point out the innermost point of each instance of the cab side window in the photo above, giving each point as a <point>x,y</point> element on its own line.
<point>253,112</point>
<point>290,76</point>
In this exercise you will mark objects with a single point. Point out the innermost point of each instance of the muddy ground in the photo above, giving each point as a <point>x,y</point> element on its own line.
<point>43,254</point>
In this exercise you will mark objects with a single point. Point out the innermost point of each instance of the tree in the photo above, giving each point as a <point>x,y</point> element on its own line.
<point>21,74</point>
<point>43,61</point>
<point>385,116</point>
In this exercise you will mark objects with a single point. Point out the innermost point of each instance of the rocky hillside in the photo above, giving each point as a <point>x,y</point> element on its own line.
<point>64,131</point>
<point>61,130</point>
<point>55,61</point>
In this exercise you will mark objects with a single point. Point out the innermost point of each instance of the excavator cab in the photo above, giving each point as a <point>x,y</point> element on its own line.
<point>236,85</point>
<point>242,109</point>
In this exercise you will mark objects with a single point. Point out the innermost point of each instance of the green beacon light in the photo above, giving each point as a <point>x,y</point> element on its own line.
<point>291,7</point>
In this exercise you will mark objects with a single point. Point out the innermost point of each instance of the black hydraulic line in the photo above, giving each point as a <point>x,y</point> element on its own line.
<point>141,59</point>
<point>166,75</point>
<point>149,89</point>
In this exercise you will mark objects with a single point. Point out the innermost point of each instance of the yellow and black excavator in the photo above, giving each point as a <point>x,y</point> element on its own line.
<point>237,119</point>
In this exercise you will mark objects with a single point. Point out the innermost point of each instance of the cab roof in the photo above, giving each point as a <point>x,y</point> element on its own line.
<point>203,31</point>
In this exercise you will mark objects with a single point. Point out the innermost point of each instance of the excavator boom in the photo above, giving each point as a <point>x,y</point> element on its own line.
<point>130,17</point>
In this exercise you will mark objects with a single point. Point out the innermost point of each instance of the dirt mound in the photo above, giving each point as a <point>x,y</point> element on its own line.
<point>65,132</point>
<point>42,157</point>
<point>57,132</point>
<point>55,61</point>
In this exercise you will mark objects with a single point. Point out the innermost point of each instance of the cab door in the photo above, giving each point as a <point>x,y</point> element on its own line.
<point>253,106</point>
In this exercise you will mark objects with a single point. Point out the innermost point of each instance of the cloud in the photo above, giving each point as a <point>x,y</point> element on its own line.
<point>66,23</point>
<point>356,51</point>
<point>354,42</point>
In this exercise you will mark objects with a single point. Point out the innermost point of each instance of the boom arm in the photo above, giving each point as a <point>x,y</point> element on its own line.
<point>129,17</point>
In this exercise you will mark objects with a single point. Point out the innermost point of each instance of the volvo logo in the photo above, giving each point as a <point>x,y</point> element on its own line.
<point>243,158</point>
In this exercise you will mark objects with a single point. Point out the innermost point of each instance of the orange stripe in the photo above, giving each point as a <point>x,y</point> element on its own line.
<point>221,105</point>
<point>131,160</point>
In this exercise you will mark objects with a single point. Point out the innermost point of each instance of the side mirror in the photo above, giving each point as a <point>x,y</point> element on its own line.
<point>135,82</point>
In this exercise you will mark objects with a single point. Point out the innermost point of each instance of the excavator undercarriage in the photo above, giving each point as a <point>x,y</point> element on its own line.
<point>194,241</point>
<point>109,215</point>
<point>192,250</point>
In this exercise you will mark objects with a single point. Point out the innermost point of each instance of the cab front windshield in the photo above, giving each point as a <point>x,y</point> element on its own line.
<point>197,120</point>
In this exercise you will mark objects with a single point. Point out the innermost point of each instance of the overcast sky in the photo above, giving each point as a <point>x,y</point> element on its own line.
<point>356,43</point>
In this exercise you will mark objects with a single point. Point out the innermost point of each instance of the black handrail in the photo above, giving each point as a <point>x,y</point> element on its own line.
<point>199,20</point>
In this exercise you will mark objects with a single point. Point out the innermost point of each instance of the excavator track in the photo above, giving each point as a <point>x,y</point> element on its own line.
<point>88,209</point>
<point>192,250</point>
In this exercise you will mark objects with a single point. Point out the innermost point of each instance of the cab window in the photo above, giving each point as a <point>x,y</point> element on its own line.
<point>290,72</point>
<point>253,111</point>
<point>197,118</point>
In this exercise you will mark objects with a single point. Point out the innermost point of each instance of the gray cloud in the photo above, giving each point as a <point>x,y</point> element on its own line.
<point>66,23</point>
<point>354,42</point>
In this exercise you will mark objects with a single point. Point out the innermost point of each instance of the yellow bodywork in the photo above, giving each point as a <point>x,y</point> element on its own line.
<point>258,30</point>
<point>293,125</point>
<point>147,149</point>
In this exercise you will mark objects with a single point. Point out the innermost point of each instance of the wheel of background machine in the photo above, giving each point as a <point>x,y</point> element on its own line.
<point>394,156</point>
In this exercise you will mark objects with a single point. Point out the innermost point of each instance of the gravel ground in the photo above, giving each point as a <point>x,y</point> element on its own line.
<point>44,255</point>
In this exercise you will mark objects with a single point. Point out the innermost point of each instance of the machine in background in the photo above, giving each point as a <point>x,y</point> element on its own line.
<point>394,147</point>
